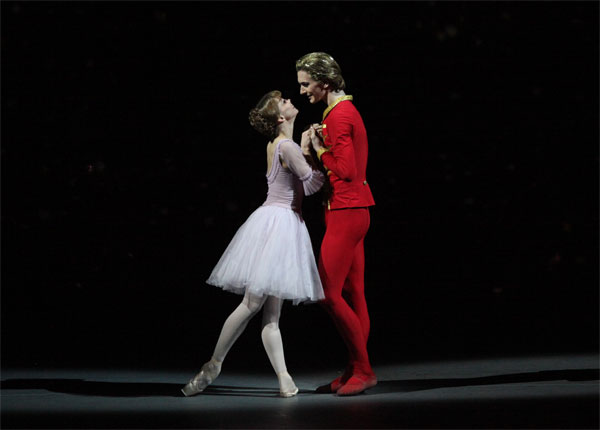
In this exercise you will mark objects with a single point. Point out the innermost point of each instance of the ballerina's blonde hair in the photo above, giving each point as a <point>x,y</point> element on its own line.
<point>263,118</point>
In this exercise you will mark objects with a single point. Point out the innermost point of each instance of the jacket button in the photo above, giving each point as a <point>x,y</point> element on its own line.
<point>364,182</point>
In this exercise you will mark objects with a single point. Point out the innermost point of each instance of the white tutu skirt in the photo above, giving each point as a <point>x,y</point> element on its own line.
<point>270,254</point>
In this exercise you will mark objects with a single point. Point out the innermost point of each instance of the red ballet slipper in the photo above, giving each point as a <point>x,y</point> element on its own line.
<point>357,384</point>
<point>336,384</point>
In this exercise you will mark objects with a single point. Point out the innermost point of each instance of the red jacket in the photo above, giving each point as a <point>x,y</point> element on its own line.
<point>345,135</point>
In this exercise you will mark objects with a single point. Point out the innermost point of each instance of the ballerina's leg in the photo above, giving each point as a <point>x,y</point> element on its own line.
<point>271,337</point>
<point>232,329</point>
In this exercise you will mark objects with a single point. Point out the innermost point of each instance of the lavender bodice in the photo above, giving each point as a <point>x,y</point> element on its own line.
<point>287,186</point>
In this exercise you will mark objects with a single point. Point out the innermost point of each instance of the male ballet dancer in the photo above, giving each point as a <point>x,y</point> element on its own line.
<point>343,152</point>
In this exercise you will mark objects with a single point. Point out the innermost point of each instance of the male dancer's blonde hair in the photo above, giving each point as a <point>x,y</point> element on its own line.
<point>322,68</point>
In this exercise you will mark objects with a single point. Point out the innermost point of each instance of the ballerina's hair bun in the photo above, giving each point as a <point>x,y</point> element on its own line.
<point>263,118</point>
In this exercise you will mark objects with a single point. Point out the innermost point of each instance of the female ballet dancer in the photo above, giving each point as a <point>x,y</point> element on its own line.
<point>270,258</point>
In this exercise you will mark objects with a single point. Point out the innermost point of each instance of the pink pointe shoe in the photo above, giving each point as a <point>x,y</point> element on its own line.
<point>287,388</point>
<point>207,375</point>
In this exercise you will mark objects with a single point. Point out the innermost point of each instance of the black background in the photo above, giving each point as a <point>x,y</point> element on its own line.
<point>128,164</point>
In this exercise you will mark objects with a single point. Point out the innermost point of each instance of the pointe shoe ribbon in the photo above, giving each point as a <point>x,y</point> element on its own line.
<point>203,379</point>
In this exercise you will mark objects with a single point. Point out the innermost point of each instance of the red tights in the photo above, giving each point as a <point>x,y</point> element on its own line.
<point>342,268</point>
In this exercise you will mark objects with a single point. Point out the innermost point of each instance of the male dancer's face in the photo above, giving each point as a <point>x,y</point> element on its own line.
<point>314,90</point>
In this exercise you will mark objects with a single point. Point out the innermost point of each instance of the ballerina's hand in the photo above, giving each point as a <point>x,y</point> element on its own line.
<point>315,140</point>
<point>306,141</point>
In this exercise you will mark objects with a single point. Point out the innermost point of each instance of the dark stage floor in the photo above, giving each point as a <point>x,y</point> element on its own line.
<point>544,391</point>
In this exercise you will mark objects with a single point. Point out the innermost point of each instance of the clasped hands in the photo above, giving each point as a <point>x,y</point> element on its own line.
<point>313,136</point>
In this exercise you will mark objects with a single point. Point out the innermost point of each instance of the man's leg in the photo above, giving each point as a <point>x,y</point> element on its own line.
<point>353,293</point>
<point>354,289</point>
<point>345,230</point>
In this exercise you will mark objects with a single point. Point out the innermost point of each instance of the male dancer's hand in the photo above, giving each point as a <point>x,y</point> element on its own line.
<point>318,129</point>
<point>317,137</point>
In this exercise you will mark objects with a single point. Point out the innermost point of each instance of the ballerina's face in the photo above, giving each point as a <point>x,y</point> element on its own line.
<point>287,109</point>
<point>314,90</point>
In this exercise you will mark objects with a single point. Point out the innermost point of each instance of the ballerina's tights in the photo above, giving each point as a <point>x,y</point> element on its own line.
<point>270,334</point>
<point>342,268</point>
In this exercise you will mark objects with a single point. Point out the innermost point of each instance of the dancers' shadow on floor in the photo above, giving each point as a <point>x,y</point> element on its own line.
<point>130,389</point>
<point>410,385</point>
<point>163,389</point>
